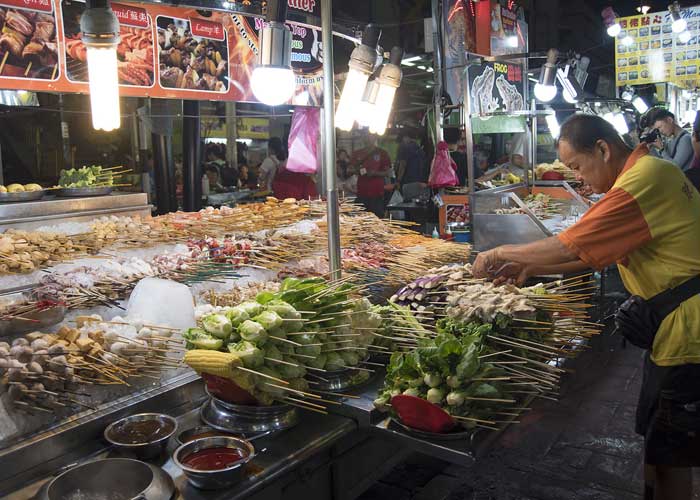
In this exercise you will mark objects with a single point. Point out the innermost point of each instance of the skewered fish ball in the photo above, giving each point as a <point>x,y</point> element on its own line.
<point>35,367</point>
<point>4,351</point>
<point>57,364</point>
<point>23,353</point>
<point>5,345</point>
<point>120,348</point>
<point>57,350</point>
<point>20,341</point>
<point>16,391</point>
<point>39,344</point>
<point>41,356</point>
<point>4,365</point>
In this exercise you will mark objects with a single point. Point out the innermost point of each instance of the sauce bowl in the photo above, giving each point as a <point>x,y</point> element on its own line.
<point>217,478</point>
<point>145,434</point>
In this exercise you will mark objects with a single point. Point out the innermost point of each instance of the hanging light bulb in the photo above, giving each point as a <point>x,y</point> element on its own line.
<point>545,89</point>
<point>684,37</point>
<point>366,107</point>
<point>679,25</point>
<point>618,121</point>
<point>553,124</point>
<point>100,33</point>
<point>640,105</point>
<point>643,8</point>
<point>571,89</point>
<point>614,29</point>
<point>361,66</point>
<point>389,80</point>
<point>611,23</point>
<point>273,81</point>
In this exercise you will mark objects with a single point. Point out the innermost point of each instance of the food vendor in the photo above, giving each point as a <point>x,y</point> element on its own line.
<point>372,165</point>
<point>648,223</point>
<point>275,155</point>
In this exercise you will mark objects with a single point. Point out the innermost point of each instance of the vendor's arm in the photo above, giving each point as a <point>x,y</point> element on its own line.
<point>608,232</point>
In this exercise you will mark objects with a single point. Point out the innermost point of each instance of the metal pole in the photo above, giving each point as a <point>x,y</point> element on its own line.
<point>468,137</point>
<point>332,209</point>
<point>533,145</point>
<point>231,136</point>
<point>191,156</point>
<point>438,68</point>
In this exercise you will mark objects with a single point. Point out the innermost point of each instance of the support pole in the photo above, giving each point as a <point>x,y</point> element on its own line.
<point>332,208</point>
<point>533,146</point>
<point>191,155</point>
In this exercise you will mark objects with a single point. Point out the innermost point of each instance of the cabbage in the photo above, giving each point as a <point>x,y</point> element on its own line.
<point>350,358</point>
<point>252,332</point>
<point>318,362</point>
<point>309,350</point>
<point>251,308</point>
<point>268,320</point>
<point>334,362</point>
<point>217,325</point>
<point>199,339</point>
<point>236,315</point>
<point>251,356</point>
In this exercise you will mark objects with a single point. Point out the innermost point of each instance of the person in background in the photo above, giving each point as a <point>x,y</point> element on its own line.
<point>693,173</point>
<point>452,136</point>
<point>288,184</point>
<point>276,154</point>
<point>212,174</point>
<point>215,158</point>
<point>412,165</point>
<point>372,165</point>
<point>677,147</point>
<point>346,181</point>
<point>518,153</point>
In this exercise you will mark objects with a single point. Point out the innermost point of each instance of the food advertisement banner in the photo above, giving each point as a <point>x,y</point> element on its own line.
<point>656,53</point>
<point>165,52</point>
<point>508,31</point>
<point>496,87</point>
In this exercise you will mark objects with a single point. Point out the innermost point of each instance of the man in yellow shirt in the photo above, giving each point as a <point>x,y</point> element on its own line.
<point>649,224</point>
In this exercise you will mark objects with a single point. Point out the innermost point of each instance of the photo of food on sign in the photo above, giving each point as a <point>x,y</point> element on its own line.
<point>134,52</point>
<point>28,46</point>
<point>192,54</point>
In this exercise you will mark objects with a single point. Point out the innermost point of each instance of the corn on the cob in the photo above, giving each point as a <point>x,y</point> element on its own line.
<point>218,363</point>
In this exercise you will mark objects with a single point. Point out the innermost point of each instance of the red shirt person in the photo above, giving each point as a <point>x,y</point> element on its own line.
<point>372,165</point>
<point>288,184</point>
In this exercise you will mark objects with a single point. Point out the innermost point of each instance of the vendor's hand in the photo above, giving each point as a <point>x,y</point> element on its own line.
<point>486,264</point>
<point>512,273</point>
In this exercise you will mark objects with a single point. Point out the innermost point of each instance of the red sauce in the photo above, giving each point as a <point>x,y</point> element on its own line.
<point>213,458</point>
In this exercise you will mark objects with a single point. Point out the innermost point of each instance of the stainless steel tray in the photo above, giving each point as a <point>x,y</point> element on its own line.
<point>459,434</point>
<point>247,420</point>
<point>22,196</point>
<point>33,321</point>
<point>83,191</point>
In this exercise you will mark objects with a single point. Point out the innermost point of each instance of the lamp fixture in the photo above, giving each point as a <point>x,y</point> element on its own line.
<point>571,89</point>
<point>684,36</point>
<point>367,106</point>
<point>679,24</point>
<point>389,80</point>
<point>640,105</point>
<point>553,124</point>
<point>618,121</point>
<point>611,23</point>
<point>100,33</point>
<point>273,81</point>
<point>643,8</point>
<point>545,89</point>
<point>614,29</point>
<point>361,66</point>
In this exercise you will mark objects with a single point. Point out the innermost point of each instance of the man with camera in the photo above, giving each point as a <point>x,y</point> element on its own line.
<point>648,223</point>
<point>677,147</point>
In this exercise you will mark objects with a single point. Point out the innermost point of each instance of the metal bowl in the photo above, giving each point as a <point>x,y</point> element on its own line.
<point>193,432</point>
<point>83,191</point>
<point>22,196</point>
<point>148,449</point>
<point>214,479</point>
<point>248,420</point>
<point>113,479</point>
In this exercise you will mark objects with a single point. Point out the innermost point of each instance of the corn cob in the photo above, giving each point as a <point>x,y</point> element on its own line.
<point>222,364</point>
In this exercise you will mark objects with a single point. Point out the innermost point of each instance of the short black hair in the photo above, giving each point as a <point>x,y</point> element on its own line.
<point>583,131</point>
<point>656,114</point>
<point>211,168</point>
<point>452,135</point>
<point>276,146</point>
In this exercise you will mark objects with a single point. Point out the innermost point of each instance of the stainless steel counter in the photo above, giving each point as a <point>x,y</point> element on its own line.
<point>52,210</point>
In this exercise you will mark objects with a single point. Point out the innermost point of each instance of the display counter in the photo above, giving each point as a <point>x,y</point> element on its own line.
<point>54,210</point>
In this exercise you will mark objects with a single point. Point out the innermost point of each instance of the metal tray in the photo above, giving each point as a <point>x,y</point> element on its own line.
<point>247,420</point>
<point>34,321</point>
<point>22,196</point>
<point>463,435</point>
<point>83,191</point>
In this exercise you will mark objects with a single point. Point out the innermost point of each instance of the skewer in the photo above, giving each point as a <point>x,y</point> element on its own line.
<point>303,405</point>
<point>262,375</point>
<point>4,59</point>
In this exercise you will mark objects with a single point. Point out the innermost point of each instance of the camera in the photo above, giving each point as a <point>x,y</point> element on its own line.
<point>649,136</point>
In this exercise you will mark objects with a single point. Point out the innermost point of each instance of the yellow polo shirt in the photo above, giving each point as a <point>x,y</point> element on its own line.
<point>649,224</point>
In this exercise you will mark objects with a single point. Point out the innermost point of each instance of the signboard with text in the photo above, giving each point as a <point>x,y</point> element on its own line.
<point>166,52</point>
<point>656,54</point>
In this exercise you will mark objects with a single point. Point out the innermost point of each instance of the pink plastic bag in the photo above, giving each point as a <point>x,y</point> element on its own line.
<point>443,171</point>
<point>303,141</point>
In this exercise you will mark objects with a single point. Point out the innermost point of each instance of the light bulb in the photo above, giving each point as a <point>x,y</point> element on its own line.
<point>104,87</point>
<point>382,109</point>
<point>350,99</point>
<point>614,30</point>
<point>684,37</point>
<point>273,85</point>
<point>545,93</point>
<point>641,106</point>
<point>618,121</point>
<point>553,125</point>
<point>568,96</point>
<point>679,26</point>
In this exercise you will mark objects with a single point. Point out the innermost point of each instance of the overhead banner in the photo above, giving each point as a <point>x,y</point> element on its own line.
<point>165,52</point>
<point>655,53</point>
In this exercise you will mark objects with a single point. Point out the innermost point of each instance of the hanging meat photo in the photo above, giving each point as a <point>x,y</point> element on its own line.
<point>191,62</point>
<point>28,46</point>
<point>134,52</point>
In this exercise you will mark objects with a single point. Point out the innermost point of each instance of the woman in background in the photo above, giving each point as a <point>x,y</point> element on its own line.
<point>276,154</point>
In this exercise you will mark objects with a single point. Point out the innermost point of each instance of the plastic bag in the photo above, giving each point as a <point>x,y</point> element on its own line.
<point>303,141</point>
<point>443,171</point>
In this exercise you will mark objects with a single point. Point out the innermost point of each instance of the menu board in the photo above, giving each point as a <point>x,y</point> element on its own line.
<point>657,55</point>
<point>167,52</point>
<point>496,86</point>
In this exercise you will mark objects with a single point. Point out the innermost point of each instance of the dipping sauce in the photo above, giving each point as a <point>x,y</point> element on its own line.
<point>213,458</point>
<point>141,431</point>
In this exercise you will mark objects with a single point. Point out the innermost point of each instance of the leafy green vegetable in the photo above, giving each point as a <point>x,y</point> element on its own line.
<point>217,325</point>
<point>252,332</point>
<point>197,338</point>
